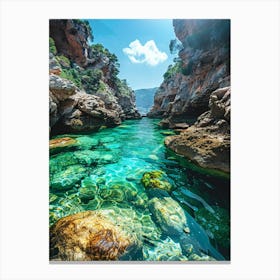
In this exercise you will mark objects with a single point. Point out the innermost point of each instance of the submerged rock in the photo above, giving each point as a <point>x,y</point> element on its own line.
<point>169,215</point>
<point>166,250</point>
<point>123,192</point>
<point>156,179</point>
<point>88,190</point>
<point>195,257</point>
<point>62,142</point>
<point>87,142</point>
<point>63,206</point>
<point>59,144</point>
<point>59,162</point>
<point>68,178</point>
<point>89,236</point>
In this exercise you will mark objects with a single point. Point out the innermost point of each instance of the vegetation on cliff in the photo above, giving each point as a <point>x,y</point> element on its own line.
<point>93,70</point>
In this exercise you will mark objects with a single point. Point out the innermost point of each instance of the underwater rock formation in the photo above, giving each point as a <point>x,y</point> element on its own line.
<point>167,250</point>
<point>88,236</point>
<point>156,179</point>
<point>62,205</point>
<point>169,215</point>
<point>59,144</point>
<point>67,178</point>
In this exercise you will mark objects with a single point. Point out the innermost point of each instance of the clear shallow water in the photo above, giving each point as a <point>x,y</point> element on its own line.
<point>103,170</point>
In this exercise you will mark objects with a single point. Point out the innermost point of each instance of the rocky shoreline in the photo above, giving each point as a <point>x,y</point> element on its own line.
<point>84,90</point>
<point>198,86</point>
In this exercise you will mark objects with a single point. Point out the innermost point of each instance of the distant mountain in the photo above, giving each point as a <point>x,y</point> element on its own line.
<point>145,99</point>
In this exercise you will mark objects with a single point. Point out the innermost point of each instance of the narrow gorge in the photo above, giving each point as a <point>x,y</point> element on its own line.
<point>145,182</point>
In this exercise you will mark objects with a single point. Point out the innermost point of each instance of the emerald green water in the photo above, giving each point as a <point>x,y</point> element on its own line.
<point>104,170</point>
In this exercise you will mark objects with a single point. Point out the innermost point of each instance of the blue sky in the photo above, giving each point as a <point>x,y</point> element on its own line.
<point>142,48</point>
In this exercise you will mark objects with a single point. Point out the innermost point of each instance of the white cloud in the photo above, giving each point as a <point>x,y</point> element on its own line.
<point>148,53</point>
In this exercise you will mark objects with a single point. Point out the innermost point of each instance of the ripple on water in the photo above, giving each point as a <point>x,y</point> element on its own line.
<point>104,171</point>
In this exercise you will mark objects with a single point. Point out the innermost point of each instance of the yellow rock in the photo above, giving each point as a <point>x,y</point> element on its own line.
<point>88,236</point>
<point>62,142</point>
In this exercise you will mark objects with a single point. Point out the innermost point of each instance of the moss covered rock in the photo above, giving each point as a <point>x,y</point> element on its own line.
<point>156,179</point>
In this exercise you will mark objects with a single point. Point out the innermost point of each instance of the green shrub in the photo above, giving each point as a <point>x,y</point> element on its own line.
<point>72,75</point>
<point>52,47</point>
<point>188,69</point>
<point>122,87</point>
<point>91,79</point>
<point>102,86</point>
<point>64,60</point>
<point>172,70</point>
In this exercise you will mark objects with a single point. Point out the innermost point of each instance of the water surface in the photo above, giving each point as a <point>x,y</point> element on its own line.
<point>104,170</point>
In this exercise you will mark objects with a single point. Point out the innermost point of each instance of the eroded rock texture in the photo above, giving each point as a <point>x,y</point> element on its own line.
<point>203,68</point>
<point>207,142</point>
<point>85,92</point>
<point>89,236</point>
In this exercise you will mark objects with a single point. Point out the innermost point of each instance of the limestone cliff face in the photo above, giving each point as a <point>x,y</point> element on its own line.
<point>202,68</point>
<point>70,38</point>
<point>91,73</point>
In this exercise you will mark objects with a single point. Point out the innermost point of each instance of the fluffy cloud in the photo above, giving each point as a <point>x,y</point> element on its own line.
<point>148,53</point>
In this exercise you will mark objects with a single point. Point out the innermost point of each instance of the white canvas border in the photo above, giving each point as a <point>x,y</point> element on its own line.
<point>255,138</point>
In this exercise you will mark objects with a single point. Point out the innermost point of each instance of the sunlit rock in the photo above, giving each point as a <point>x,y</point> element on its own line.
<point>168,214</point>
<point>63,206</point>
<point>88,189</point>
<point>88,236</point>
<point>60,143</point>
<point>156,179</point>
<point>87,142</point>
<point>166,250</point>
<point>195,257</point>
<point>66,179</point>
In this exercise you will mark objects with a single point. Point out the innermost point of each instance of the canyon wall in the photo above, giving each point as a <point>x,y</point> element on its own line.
<point>203,66</point>
<point>197,88</point>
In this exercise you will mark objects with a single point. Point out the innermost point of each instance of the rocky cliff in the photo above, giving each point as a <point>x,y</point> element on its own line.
<point>207,142</point>
<point>85,92</point>
<point>202,67</point>
<point>197,87</point>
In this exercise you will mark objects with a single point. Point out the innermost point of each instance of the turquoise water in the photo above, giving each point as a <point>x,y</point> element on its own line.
<point>103,170</point>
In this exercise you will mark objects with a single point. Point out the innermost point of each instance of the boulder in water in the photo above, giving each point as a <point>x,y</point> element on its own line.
<point>88,236</point>
<point>156,179</point>
<point>166,250</point>
<point>60,143</point>
<point>169,215</point>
